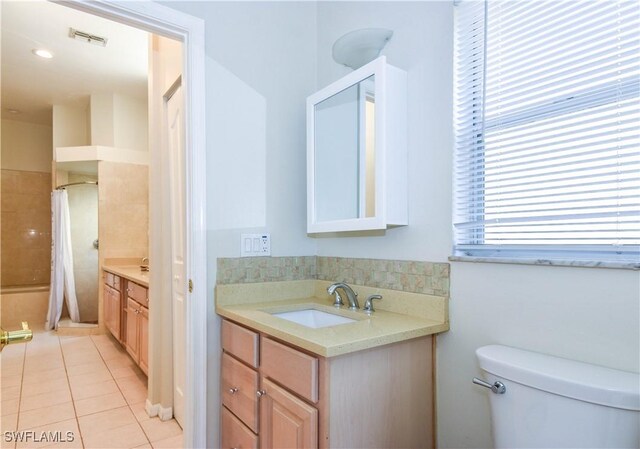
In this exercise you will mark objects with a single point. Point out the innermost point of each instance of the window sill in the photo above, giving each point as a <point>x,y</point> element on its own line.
<point>547,262</point>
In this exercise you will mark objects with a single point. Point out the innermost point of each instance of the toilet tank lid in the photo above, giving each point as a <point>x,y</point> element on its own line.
<point>578,380</point>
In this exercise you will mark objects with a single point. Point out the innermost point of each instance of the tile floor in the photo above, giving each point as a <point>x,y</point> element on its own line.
<point>85,385</point>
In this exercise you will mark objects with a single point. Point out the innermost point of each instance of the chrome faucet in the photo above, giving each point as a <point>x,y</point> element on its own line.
<point>352,296</point>
<point>368,304</point>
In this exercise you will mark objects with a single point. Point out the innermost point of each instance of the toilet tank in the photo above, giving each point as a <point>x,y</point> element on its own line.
<point>552,402</point>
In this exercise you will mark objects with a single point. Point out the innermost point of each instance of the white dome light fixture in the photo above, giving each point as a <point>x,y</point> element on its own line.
<point>46,54</point>
<point>360,47</point>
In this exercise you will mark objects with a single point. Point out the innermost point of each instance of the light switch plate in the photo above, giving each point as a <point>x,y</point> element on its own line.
<point>255,245</point>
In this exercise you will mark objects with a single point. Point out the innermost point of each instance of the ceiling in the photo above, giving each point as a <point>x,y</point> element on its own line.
<point>32,85</point>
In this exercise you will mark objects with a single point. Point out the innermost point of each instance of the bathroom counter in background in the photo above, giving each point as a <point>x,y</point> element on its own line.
<point>398,317</point>
<point>130,272</point>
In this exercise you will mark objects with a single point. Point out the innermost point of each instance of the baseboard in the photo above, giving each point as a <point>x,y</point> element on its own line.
<point>164,413</point>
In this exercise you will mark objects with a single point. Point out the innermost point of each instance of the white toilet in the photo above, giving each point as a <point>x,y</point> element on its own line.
<point>550,402</point>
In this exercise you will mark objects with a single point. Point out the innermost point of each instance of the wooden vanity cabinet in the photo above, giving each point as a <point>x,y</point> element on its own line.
<point>375,398</point>
<point>137,325</point>
<point>112,304</point>
<point>256,409</point>
<point>143,360</point>
<point>132,343</point>
<point>126,315</point>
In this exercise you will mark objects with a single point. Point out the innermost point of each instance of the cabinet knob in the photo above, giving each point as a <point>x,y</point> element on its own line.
<point>261,393</point>
<point>233,390</point>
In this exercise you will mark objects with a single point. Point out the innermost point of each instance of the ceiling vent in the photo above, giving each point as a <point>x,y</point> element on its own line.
<point>87,37</point>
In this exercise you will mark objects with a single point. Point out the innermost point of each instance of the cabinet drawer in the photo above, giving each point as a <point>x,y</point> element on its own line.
<point>235,434</point>
<point>112,280</point>
<point>239,388</point>
<point>240,342</point>
<point>138,293</point>
<point>134,305</point>
<point>295,370</point>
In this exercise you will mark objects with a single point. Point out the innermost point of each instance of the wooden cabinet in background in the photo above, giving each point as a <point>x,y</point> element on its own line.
<point>126,315</point>
<point>144,340</point>
<point>112,305</point>
<point>131,341</point>
<point>137,325</point>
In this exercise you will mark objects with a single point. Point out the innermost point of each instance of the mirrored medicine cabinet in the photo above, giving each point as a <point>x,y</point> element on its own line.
<point>357,152</point>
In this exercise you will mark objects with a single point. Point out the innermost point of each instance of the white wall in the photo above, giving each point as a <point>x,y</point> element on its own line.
<point>269,50</point>
<point>130,123</point>
<point>585,314</point>
<point>260,67</point>
<point>26,146</point>
<point>258,53</point>
<point>422,46</point>
<point>119,121</point>
<point>101,119</point>
<point>71,126</point>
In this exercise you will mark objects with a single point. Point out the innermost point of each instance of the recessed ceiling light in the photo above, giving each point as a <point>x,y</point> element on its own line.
<point>46,54</point>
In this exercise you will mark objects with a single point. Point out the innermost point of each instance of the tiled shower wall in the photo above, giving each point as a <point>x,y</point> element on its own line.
<point>411,276</point>
<point>25,227</point>
<point>123,208</point>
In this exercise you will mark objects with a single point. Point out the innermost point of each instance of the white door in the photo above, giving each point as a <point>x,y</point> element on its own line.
<point>175,127</point>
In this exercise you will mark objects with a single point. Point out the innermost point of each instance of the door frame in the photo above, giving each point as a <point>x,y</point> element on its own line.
<point>158,19</point>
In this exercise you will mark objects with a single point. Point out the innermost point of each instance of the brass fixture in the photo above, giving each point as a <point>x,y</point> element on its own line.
<point>20,336</point>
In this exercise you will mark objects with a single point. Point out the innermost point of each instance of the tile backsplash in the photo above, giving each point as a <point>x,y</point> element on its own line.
<point>239,270</point>
<point>410,276</point>
<point>405,275</point>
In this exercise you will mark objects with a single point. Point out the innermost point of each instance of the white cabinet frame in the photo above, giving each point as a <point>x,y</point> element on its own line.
<point>390,149</point>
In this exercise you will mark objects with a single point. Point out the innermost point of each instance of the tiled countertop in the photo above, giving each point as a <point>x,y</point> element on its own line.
<point>131,272</point>
<point>425,315</point>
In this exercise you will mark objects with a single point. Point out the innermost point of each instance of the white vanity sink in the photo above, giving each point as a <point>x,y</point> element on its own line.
<point>313,318</point>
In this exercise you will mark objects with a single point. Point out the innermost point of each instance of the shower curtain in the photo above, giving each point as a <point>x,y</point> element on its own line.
<point>62,281</point>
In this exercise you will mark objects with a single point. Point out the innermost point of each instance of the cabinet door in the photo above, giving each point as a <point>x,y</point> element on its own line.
<point>106,306</point>
<point>286,422</point>
<point>143,316</point>
<point>115,313</point>
<point>131,342</point>
<point>111,307</point>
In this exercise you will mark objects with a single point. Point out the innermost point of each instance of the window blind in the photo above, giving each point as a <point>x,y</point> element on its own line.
<point>547,129</point>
